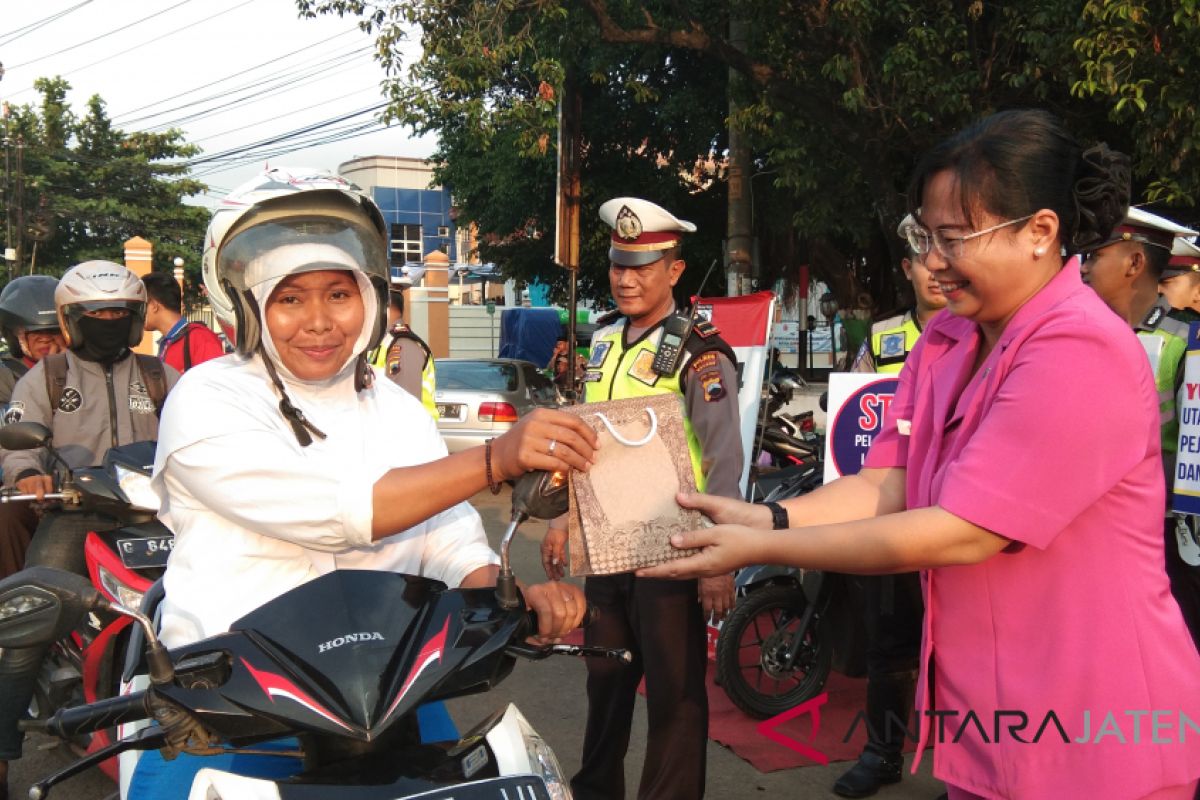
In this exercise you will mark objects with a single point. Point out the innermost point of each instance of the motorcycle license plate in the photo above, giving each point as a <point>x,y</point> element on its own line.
<point>450,410</point>
<point>140,553</point>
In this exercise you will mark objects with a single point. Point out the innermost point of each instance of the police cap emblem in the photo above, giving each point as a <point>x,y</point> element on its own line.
<point>627,226</point>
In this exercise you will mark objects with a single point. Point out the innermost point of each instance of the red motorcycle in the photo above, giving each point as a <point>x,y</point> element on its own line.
<point>85,665</point>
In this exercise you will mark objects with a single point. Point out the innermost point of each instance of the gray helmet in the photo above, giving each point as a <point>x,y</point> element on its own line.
<point>27,303</point>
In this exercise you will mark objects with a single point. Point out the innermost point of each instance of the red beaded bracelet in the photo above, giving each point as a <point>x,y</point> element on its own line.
<point>487,463</point>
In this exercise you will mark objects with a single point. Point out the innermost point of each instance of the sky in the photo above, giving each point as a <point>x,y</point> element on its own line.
<point>229,73</point>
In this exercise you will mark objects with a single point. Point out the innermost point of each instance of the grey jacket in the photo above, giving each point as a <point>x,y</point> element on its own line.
<point>101,407</point>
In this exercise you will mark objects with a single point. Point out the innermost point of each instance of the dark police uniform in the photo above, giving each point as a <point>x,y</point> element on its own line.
<point>659,621</point>
<point>893,608</point>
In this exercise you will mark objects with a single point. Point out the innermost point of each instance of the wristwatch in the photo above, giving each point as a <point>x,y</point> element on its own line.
<point>779,516</point>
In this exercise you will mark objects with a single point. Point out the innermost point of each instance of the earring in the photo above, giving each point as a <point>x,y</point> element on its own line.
<point>1038,252</point>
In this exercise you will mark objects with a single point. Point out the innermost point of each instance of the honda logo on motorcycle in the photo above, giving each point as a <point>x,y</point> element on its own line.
<point>350,638</point>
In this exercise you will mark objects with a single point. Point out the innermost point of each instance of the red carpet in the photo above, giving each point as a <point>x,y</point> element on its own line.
<point>765,745</point>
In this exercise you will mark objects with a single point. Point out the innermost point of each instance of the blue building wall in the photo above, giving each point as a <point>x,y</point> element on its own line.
<point>429,208</point>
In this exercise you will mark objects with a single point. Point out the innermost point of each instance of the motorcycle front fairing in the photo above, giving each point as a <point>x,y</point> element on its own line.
<point>347,656</point>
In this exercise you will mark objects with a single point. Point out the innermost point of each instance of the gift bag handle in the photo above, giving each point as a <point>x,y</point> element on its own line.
<point>628,443</point>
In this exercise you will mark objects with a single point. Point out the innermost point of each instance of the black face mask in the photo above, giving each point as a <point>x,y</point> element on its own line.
<point>104,340</point>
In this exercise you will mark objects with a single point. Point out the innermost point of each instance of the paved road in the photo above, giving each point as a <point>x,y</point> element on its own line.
<point>549,693</point>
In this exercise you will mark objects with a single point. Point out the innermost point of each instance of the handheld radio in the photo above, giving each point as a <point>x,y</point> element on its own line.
<point>676,330</point>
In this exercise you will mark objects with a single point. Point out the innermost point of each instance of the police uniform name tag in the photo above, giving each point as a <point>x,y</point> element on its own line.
<point>623,510</point>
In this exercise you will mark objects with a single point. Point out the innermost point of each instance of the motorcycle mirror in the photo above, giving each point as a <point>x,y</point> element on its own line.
<point>541,495</point>
<point>40,605</point>
<point>24,436</point>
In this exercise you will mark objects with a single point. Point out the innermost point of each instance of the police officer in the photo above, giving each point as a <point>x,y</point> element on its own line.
<point>1180,281</point>
<point>891,603</point>
<point>107,397</point>
<point>892,338</point>
<point>404,357</point>
<point>1125,271</point>
<point>662,623</point>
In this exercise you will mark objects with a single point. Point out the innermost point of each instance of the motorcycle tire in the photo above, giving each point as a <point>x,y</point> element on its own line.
<point>752,640</point>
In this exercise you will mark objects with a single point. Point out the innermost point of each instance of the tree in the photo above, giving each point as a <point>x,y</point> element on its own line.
<point>87,187</point>
<point>839,100</point>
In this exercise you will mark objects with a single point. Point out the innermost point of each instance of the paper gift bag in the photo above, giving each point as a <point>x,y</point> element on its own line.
<point>623,510</point>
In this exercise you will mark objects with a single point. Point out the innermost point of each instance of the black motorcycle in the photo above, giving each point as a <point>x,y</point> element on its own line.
<point>341,663</point>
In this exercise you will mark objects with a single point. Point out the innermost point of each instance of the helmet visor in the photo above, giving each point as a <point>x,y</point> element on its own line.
<point>268,251</point>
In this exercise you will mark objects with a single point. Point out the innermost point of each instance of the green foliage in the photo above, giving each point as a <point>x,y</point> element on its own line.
<point>838,100</point>
<point>89,187</point>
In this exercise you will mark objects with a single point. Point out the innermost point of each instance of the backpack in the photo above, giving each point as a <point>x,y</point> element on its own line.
<point>151,369</point>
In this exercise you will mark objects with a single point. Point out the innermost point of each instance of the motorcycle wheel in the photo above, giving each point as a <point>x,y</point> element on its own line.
<point>751,647</point>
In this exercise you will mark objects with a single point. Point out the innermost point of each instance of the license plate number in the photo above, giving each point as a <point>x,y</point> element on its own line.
<point>449,410</point>
<point>139,553</point>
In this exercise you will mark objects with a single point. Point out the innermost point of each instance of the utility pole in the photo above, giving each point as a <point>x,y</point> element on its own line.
<point>739,223</point>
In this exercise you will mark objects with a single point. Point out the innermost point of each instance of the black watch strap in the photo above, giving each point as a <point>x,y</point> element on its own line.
<point>779,516</point>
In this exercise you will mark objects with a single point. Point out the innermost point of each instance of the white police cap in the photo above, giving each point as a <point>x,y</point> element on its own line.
<point>641,230</point>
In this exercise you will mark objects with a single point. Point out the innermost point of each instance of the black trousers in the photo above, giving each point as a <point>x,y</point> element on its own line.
<point>1185,582</point>
<point>660,622</point>
<point>894,611</point>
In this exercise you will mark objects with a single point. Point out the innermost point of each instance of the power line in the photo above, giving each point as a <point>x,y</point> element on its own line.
<point>275,117</point>
<point>276,83</point>
<point>231,76</point>
<point>101,36</point>
<point>192,162</point>
<point>154,40</point>
<point>25,30</point>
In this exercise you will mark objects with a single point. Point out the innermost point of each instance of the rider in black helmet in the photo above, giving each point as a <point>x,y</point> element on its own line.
<point>29,325</point>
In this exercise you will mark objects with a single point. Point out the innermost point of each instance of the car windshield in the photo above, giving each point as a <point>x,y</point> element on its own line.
<point>482,376</point>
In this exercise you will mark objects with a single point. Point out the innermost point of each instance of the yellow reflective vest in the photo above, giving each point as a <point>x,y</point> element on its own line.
<point>617,370</point>
<point>428,371</point>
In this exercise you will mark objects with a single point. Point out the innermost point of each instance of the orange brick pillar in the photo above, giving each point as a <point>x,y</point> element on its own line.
<point>138,260</point>
<point>437,299</point>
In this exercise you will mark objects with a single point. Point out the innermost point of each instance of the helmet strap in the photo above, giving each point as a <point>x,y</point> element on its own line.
<point>364,376</point>
<point>300,424</point>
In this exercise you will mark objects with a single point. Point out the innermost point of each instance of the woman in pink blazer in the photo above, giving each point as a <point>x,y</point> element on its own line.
<point>1019,467</point>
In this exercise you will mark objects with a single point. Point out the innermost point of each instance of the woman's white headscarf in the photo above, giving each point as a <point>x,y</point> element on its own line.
<point>266,271</point>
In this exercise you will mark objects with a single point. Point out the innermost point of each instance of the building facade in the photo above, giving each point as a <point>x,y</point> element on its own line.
<point>419,214</point>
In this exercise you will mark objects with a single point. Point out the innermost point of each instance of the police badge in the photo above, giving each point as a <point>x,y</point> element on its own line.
<point>891,345</point>
<point>628,226</point>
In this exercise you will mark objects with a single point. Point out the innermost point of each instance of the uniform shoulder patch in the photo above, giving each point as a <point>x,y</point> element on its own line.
<point>705,329</point>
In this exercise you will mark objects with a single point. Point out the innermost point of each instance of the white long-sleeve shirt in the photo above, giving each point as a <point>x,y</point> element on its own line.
<point>255,514</point>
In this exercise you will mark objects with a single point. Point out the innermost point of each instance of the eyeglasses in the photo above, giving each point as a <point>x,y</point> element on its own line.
<point>923,241</point>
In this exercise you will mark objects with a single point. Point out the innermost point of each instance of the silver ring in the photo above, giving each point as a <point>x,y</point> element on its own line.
<point>553,444</point>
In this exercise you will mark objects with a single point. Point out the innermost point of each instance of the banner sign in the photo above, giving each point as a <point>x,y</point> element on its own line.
<point>857,404</point>
<point>745,324</point>
<point>1187,462</point>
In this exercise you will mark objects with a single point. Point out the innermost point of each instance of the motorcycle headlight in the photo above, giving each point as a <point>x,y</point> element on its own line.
<point>543,761</point>
<point>117,590</point>
<point>520,750</point>
<point>137,489</point>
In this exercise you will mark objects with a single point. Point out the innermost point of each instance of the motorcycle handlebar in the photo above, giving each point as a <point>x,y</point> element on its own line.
<point>16,498</point>
<point>70,722</point>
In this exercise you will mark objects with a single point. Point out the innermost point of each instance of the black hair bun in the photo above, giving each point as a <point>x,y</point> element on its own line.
<point>1101,195</point>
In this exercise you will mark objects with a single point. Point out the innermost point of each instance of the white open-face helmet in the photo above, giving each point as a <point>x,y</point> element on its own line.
<point>97,285</point>
<point>291,220</point>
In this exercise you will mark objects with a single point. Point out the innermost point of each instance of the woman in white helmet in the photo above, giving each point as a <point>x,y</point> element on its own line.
<point>104,396</point>
<point>296,458</point>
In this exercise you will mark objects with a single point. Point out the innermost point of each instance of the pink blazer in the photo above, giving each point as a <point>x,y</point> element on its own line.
<point>1070,636</point>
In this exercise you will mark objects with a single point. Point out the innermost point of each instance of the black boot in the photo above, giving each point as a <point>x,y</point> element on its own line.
<point>871,771</point>
<point>889,706</point>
